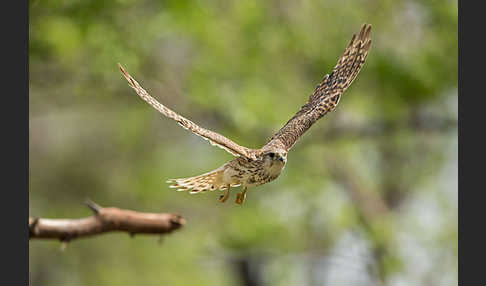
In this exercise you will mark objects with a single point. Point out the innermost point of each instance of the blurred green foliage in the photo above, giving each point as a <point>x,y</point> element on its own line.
<point>243,68</point>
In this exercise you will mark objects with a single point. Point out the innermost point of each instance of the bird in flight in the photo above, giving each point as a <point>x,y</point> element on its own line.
<point>254,167</point>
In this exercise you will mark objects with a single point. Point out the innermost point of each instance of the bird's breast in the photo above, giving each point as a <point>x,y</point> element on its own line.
<point>253,173</point>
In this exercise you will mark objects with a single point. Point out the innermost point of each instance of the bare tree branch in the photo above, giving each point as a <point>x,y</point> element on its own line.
<point>104,220</point>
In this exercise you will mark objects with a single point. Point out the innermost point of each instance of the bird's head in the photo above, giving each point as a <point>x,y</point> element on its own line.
<point>275,156</point>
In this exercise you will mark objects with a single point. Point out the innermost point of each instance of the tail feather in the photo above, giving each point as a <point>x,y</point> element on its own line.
<point>209,181</point>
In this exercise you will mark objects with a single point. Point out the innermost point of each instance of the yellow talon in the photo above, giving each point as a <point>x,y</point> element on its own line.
<point>240,197</point>
<point>225,196</point>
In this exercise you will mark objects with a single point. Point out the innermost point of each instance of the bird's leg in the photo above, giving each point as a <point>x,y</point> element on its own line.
<point>224,196</point>
<point>240,197</point>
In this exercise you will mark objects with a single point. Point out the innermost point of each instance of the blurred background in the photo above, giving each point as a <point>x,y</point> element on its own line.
<point>368,197</point>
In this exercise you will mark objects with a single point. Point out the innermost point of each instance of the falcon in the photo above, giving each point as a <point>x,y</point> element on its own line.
<point>254,167</point>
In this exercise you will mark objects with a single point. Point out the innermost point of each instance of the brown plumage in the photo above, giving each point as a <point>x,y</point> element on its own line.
<point>328,93</point>
<point>254,167</point>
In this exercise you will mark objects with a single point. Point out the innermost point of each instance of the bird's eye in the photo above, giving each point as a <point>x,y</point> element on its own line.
<point>272,155</point>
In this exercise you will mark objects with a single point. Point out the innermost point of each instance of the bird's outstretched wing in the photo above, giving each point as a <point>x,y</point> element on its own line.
<point>213,137</point>
<point>327,94</point>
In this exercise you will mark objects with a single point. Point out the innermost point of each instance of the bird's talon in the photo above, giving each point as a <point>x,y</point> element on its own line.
<point>240,198</point>
<point>225,196</point>
<point>222,198</point>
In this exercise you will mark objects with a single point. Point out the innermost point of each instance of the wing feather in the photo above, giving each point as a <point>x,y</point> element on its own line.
<point>214,138</point>
<point>328,93</point>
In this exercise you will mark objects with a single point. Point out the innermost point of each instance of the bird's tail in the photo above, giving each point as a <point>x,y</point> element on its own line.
<point>209,181</point>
